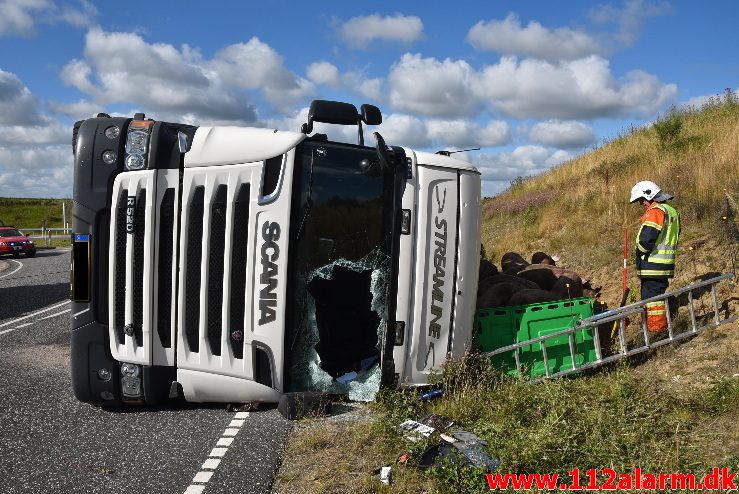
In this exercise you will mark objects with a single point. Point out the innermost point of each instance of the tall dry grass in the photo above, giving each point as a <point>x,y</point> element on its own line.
<point>580,208</point>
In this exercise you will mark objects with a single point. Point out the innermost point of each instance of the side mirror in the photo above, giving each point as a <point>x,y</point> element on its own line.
<point>333,112</point>
<point>371,115</point>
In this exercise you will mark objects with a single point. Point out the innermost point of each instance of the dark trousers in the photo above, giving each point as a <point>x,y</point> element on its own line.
<point>651,287</point>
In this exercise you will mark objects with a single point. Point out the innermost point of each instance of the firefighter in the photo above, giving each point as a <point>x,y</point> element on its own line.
<point>656,246</point>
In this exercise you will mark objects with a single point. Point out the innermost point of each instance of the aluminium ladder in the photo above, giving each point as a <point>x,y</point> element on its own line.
<point>620,316</point>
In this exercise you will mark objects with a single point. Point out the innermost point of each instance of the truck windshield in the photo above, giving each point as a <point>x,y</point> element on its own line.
<point>340,246</point>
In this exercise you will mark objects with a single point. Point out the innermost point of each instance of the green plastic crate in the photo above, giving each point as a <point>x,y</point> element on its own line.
<point>497,327</point>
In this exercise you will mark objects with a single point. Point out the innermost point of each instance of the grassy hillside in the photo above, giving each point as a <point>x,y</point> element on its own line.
<point>675,410</point>
<point>33,213</point>
<point>580,209</point>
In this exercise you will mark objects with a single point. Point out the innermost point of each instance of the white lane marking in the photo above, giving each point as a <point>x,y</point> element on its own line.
<point>81,312</point>
<point>216,454</point>
<point>20,265</point>
<point>210,464</point>
<point>225,441</point>
<point>24,325</point>
<point>54,315</point>
<point>202,477</point>
<point>32,314</point>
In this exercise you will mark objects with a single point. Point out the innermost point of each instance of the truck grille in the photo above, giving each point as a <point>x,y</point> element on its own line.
<point>164,269</point>
<point>238,271</point>
<point>119,266</point>
<point>131,266</point>
<point>192,272</point>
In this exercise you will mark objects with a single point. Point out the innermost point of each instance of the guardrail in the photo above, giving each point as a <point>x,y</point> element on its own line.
<point>47,233</point>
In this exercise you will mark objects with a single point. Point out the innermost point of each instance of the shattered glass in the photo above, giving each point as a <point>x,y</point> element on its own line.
<point>340,271</point>
<point>306,373</point>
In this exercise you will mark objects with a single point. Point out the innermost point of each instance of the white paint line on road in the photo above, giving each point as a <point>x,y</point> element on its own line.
<point>32,314</point>
<point>80,312</point>
<point>24,325</point>
<point>202,477</point>
<point>216,454</point>
<point>20,265</point>
<point>54,315</point>
<point>210,464</point>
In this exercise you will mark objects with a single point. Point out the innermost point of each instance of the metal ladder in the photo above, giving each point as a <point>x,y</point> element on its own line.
<point>619,317</point>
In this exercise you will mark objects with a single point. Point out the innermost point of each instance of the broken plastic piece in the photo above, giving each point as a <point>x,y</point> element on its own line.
<point>415,431</point>
<point>386,475</point>
<point>431,394</point>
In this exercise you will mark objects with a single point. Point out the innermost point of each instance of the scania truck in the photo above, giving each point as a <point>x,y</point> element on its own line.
<point>236,264</point>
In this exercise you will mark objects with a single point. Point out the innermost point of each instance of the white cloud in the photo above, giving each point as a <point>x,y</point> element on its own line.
<point>255,65</point>
<point>431,87</point>
<point>404,130</point>
<point>21,118</point>
<point>583,88</point>
<point>324,73</point>
<point>78,110</point>
<point>467,134</point>
<point>629,17</point>
<point>499,169</point>
<point>39,171</point>
<point>177,83</point>
<point>19,17</point>
<point>562,134</point>
<point>360,32</point>
<point>18,106</point>
<point>509,37</point>
<point>529,88</point>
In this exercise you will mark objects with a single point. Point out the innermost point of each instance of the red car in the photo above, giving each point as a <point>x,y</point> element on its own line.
<point>12,241</point>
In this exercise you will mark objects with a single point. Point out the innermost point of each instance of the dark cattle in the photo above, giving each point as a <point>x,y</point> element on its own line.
<point>566,287</point>
<point>557,271</point>
<point>490,295</point>
<point>496,295</point>
<point>542,258</point>
<point>531,296</point>
<point>512,260</point>
<point>544,278</point>
<point>487,269</point>
<point>520,283</point>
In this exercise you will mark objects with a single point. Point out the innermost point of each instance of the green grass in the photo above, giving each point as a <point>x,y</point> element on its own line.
<point>34,213</point>
<point>605,420</point>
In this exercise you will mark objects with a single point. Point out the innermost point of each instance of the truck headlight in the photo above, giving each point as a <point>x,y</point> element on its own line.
<point>112,132</point>
<point>130,380</point>
<point>137,144</point>
<point>109,157</point>
<point>129,370</point>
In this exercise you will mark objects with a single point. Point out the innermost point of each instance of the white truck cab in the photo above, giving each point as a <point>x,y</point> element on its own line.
<point>236,264</point>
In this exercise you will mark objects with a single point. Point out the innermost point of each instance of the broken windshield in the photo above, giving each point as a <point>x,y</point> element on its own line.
<point>339,270</point>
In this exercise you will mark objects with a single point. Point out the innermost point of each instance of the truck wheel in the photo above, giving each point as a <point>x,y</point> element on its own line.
<point>31,253</point>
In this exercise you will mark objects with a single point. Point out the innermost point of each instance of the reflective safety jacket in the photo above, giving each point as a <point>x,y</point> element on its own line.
<point>656,243</point>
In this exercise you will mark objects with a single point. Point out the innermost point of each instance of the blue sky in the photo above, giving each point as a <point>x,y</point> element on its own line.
<point>532,83</point>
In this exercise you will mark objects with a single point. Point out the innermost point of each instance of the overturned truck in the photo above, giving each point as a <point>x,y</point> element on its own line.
<point>235,264</point>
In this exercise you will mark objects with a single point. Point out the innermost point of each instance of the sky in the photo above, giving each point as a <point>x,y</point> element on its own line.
<point>531,83</point>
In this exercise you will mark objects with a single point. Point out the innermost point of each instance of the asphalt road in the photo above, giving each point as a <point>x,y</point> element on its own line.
<point>51,443</point>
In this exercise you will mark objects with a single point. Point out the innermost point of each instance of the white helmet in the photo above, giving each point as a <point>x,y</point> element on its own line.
<point>646,189</point>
